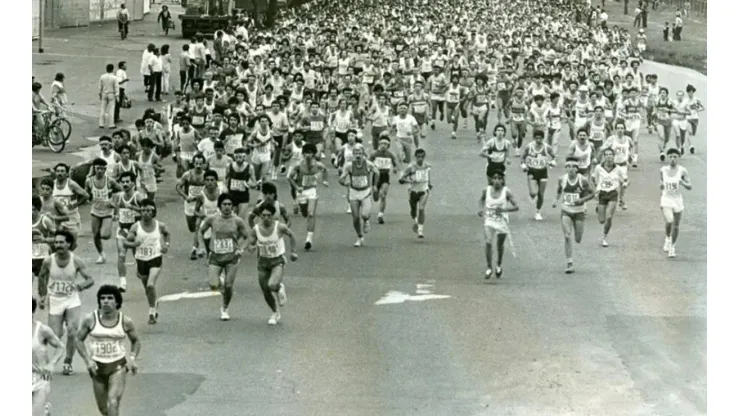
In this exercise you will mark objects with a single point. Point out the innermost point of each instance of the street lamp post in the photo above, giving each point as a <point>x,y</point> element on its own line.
<point>41,26</point>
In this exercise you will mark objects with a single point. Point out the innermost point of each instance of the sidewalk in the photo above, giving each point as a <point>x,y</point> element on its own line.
<point>81,54</point>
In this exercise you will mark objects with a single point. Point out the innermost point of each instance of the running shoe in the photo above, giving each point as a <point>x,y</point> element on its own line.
<point>274,318</point>
<point>569,269</point>
<point>667,244</point>
<point>499,272</point>
<point>225,314</point>
<point>67,369</point>
<point>489,273</point>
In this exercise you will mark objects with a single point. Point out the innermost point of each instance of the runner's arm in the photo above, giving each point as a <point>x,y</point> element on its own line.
<point>180,186</point>
<point>130,241</point>
<point>82,271</point>
<point>284,215</point>
<point>50,338</point>
<point>510,197</point>
<point>130,329</point>
<point>166,237</point>
<point>482,203</point>
<point>285,231</point>
<point>589,193</point>
<point>82,195</point>
<point>44,279</point>
<point>205,226</point>
<point>685,180</point>
<point>82,332</point>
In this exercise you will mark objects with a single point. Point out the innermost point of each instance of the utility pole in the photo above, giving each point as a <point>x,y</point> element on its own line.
<point>41,26</point>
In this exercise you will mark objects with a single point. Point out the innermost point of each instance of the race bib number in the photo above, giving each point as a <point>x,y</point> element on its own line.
<point>317,125</point>
<point>105,349</point>
<point>671,186</point>
<point>607,184</point>
<point>359,181</point>
<point>194,191</point>
<point>383,163</point>
<point>309,180</point>
<point>453,97</point>
<point>420,108</point>
<point>238,185</point>
<point>516,116</point>
<point>99,194</point>
<point>223,246</point>
<point>421,175</point>
<point>570,198</point>
<point>492,215</point>
<point>64,200</point>
<point>268,249</point>
<point>61,288</point>
<point>126,216</point>
<point>501,86</point>
<point>620,150</point>
<point>145,251</point>
<point>597,135</point>
<point>198,120</point>
<point>536,163</point>
<point>211,211</point>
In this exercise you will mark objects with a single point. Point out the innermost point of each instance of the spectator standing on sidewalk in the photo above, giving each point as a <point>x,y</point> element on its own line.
<point>186,65</point>
<point>145,66</point>
<point>155,80</point>
<point>166,68</point>
<point>677,27</point>
<point>122,77</point>
<point>199,53</point>
<point>59,95</point>
<point>108,95</point>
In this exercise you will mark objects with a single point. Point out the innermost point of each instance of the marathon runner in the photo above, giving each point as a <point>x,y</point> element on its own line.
<point>58,279</point>
<point>127,210</point>
<point>575,190</point>
<point>107,363</point>
<point>151,240</point>
<point>42,364</point>
<point>495,203</point>
<point>267,235</point>
<point>101,187</point>
<point>672,178</point>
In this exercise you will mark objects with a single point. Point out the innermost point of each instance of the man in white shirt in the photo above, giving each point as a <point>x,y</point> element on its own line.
<point>122,77</point>
<point>108,94</point>
<point>155,80</point>
<point>145,66</point>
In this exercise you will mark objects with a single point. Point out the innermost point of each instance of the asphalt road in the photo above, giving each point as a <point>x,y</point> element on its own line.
<point>624,335</point>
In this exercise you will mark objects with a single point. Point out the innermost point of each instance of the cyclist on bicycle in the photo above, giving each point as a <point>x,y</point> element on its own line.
<point>37,109</point>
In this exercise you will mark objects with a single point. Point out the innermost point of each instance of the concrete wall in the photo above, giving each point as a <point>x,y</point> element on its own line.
<point>77,13</point>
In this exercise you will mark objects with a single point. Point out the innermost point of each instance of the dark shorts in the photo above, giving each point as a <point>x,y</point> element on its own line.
<point>384,177</point>
<point>574,216</point>
<point>606,197</point>
<point>415,197</point>
<point>101,217</point>
<point>314,140</point>
<point>421,118</point>
<point>222,260</point>
<point>36,266</point>
<point>105,370</point>
<point>143,267</point>
<point>341,136</point>
<point>239,197</point>
<point>496,165</point>
<point>278,141</point>
<point>357,71</point>
<point>266,264</point>
<point>537,174</point>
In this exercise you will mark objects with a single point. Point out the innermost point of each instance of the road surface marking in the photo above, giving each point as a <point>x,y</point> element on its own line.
<point>187,295</point>
<point>393,297</point>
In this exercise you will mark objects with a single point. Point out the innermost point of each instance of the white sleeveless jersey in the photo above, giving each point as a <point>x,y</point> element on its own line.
<point>111,163</point>
<point>151,243</point>
<point>453,94</point>
<point>582,110</point>
<point>671,182</point>
<point>490,218</point>
<point>342,122</point>
<point>271,246</point>
<point>381,117</point>
<point>65,196</point>
<point>597,132</point>
<point>621,149</point>
<point>209,208</point>
<point>107,344</point>
<point>607,181</point>
<point>584,156</point>
<point>62,279</point>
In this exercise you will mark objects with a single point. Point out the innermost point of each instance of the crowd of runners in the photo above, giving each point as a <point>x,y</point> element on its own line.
<point>348,100</point>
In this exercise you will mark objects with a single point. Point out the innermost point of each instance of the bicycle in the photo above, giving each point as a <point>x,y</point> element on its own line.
<point>51,134</point>
<point>60,119</point>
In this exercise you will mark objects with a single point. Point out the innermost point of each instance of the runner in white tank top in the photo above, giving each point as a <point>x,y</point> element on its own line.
<point>70,195</point>
<point>42,365</point>
<point>672,178</point>
<point>495,203</point>
<point>267,235</point>
<point>105,354</point>
<point>150,239</point>
<point>58,278</point>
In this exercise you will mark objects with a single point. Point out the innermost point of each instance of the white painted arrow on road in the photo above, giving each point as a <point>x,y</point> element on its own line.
<point>400,297</point>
